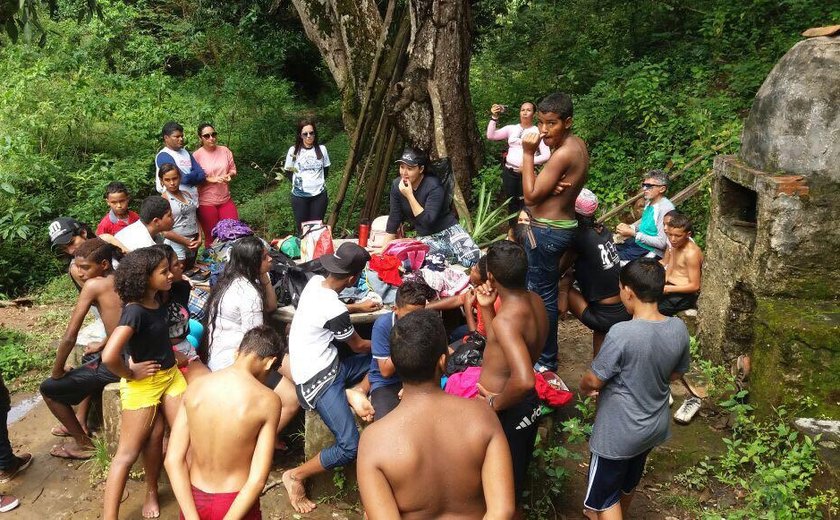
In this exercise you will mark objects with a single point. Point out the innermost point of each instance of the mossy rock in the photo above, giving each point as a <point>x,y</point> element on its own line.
<point>796,355</point>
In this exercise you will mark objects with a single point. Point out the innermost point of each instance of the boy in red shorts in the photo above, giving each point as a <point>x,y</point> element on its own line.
<point>228,424</point>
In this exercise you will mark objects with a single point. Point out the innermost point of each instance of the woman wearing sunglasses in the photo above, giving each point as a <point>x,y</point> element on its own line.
<point>214,202</point>
<point>307,163</point>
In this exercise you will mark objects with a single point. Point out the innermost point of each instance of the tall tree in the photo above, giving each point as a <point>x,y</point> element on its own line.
<point>402,70</point>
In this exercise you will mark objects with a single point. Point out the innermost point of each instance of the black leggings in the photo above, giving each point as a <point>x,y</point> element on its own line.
<point>309,208</point>
<point>512,187</point>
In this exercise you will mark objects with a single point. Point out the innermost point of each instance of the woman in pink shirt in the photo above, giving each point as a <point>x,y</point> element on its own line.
<point>511,177</point>
<point>214,202</point>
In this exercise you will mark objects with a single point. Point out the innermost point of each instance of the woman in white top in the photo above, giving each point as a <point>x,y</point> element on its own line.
<point>308,164</point>
<point>238,303</point>
<point>511,176</point>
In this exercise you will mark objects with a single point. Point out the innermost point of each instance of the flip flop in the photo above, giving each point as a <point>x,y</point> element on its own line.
<point>60,451</point>
<point>59,431</point>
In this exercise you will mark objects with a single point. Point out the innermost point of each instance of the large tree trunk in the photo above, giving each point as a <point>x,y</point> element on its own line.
<point>383,63</point>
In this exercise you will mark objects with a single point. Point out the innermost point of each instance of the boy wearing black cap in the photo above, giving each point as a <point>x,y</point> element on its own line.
<point>321,376</point>
<point>421,199</point>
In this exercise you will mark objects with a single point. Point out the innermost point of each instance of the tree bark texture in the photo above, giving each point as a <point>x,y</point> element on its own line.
<point>382,62</point>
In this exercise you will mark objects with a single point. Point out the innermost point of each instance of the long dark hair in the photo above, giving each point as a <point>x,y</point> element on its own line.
<point>299,138</point>
<point>245,259</point>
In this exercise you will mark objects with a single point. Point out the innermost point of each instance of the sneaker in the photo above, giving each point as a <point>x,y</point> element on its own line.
<point>21,463</point>
<point>686,412</point>
<point>7,503</point>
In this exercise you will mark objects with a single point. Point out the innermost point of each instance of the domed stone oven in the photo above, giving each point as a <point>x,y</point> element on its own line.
<point>771,281</point>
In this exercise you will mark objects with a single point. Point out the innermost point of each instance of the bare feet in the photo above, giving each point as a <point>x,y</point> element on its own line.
<point>70,450</point>
<point>297,493</point>
<point>151,508</point>
<point>360,404</point>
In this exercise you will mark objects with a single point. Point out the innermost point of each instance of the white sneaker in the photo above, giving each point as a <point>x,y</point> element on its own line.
<point>686,412</point>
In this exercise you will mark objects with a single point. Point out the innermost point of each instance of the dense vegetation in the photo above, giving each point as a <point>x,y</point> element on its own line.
<point>654,84</point>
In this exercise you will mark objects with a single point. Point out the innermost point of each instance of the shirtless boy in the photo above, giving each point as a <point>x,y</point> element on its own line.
<point>683,263</point>
<point>515,338</point>
<point>227,424</point>
<point>66,388</point>
<point>408,466</point>
<point>550,197</point>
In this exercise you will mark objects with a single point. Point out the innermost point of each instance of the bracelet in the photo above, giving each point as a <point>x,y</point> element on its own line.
<point>494,118</point>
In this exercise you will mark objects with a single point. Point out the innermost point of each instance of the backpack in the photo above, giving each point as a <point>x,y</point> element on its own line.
<point>289,279</point>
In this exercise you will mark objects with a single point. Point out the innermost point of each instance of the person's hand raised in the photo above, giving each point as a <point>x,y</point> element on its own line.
<point>486,295</point>
<point>530,142</point>
<point>405,188</point>
<point>495,110</point>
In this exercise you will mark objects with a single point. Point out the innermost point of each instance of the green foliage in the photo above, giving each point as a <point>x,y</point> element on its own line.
<point>87,108</point>
<point>774,465</point>
<point>15,356</point>
<point>548,474</point>
<point>654,84</point>
<point>487,222</point>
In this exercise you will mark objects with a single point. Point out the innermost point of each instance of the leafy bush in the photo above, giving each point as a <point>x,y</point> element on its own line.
<point>87,109</point>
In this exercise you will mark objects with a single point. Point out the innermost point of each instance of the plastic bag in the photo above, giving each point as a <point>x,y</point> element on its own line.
<point>316,240</point>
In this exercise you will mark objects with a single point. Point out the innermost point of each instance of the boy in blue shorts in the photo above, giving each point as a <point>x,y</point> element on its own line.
<point>385,385</point>
<point>631,376</point>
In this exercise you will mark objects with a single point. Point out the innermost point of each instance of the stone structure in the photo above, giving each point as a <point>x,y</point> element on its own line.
<point>771,280</point>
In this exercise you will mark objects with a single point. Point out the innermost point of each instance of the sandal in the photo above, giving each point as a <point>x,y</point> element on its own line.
<point>59,431</point>
<point>686,412</point>
<point>60,451</point>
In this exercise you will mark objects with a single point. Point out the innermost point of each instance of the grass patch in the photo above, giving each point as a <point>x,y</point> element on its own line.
<point>21,353</point>
<point>58,290</point>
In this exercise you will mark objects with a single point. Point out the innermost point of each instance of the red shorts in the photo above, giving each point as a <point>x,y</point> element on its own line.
<point>214,506</point>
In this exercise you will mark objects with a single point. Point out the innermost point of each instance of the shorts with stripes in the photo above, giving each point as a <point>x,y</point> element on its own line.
<point>610,479</point>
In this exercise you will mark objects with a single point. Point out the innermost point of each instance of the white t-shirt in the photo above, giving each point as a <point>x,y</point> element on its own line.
<point>134,236</point>
<point>240,310</point>
<point>308,177</point>
<point>319,319</point>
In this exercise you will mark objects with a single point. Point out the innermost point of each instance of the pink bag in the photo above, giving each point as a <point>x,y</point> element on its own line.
<point>315,241</point>
<point>408,250</point>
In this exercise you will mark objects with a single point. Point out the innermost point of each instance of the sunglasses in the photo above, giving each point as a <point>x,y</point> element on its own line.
<point>647,186</point>
<point>208,136</point>
<point>307,134</point>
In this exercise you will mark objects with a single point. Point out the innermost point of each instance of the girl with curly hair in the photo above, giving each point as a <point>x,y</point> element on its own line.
<point>139,352</point>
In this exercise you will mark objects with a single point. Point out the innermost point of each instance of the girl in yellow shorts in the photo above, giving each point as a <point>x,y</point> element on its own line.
<point>139,352</point>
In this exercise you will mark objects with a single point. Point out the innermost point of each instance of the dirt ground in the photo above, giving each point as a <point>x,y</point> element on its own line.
<point>58,489</point>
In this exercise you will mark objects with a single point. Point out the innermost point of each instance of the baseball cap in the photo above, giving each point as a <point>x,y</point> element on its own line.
<point>62,231</point>
<point>586,203</point>
<point>349,258</point>
<point>412,157</point>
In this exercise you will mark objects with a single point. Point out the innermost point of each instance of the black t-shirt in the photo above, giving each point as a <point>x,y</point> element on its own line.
<point>431,195</point>
<point>597,266</point>
<point>151,334</point>
<point>180,293</point>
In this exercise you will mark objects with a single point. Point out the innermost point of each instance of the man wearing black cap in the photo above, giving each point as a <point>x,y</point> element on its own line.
<point>421,199</point>
<point>321,376</point>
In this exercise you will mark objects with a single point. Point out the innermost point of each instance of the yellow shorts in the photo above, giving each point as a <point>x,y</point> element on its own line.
<point>149,391</point>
